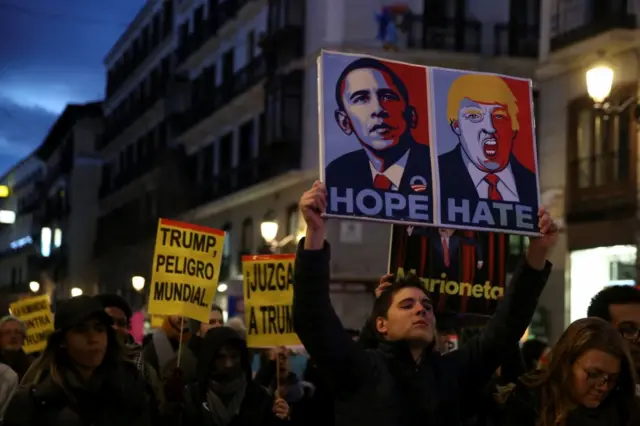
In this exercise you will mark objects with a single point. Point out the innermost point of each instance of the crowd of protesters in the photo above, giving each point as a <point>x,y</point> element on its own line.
<point>393,372</point>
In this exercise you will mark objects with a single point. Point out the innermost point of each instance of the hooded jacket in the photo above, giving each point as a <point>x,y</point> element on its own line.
<point>256,407</point>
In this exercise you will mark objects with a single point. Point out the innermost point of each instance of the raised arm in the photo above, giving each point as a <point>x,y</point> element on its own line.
<point>481,357</point>
<point>314,319</point>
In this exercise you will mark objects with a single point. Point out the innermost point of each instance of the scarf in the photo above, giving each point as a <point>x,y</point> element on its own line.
<point>235,390</point>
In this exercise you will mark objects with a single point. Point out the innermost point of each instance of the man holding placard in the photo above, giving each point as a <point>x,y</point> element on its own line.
<point>403,380</point>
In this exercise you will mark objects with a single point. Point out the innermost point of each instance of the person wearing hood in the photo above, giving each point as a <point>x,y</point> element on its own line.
<point>83,377</point>
<point>224,393</point>
<point>403,380</point>
<point>12,334</point>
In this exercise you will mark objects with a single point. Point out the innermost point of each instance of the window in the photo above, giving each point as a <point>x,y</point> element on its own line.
<point>226,250</point>
<point>599,144</point>
<point>227,67</point>
<point>226,153</point>
<point>247,235</point>
<point>292,220</point>
<point>251,46</point>
<point>246,141</point>
<point>207,162</point>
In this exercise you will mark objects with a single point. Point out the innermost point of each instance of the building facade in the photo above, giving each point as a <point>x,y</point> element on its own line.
<point>252,127</point>
<point>588,152</point>
<point>19,249</point>
<point>211,117</point>
<point>135,149</point>
<point>66,211</point>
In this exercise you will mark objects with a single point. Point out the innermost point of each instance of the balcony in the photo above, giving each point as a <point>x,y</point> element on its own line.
<point>585,19</point>
<point>601,184</point>
<point>516,41</point>
<point>223,13</point>
<point>141,168</point>
<point>284,39</point>
<point>141,49</point>
<point>242,80</point>
<point>115,127</point>
<point>279,157</point>
<point>455,35</point>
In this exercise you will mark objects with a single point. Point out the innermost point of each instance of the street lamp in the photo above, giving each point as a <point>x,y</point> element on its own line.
<point>7,216</point>
<point>269,230</point>
<point>599,82</point>
<point>75,292</point>
<point>137,282</point>
<point>34,286</point>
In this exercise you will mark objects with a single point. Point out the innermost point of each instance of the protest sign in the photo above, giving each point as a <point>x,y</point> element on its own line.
<point>486,164</point>
<point>186,268</point>
<point>35,312</point>
<point>268,300</point>
<point>374,138</point>
<point>464,272</point>
<point>404,144</point>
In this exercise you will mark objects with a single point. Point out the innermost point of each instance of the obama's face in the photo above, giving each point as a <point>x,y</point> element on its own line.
<point>374,109</point>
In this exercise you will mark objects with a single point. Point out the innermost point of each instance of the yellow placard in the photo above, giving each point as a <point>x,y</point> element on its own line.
<point>157,321</point>
<point>35,312</point>
<point>268,300</point>
<point>186,268</point>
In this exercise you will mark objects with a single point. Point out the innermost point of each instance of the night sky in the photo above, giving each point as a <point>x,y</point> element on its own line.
<point>51,54</point>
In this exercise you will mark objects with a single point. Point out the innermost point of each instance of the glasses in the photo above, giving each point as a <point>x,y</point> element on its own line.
<point>629,331</point>
<point>597,378</point>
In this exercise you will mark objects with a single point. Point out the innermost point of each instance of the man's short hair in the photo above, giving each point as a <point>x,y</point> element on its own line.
<point>383,303</point>
<point>614,295</point>
<point>216,308</point>
<point>369,63</point>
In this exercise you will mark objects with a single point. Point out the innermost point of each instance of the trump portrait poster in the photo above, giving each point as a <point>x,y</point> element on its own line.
<point>484,142</point>
<point>415,145</point>
<point>375,155</point>
<point>464,272</point>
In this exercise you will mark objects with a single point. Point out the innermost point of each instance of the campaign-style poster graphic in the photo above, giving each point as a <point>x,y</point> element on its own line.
<point>485,146</point>
<point>374,139</point>
<point>463,271</point>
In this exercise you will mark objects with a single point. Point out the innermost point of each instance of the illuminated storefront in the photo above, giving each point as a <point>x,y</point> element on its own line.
<point>594,269</point>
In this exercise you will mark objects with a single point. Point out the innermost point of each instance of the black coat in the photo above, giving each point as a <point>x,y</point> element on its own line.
<point>521,406</point>
<point>256,408</point>
<point>121,401</point>
<point>384,386</point>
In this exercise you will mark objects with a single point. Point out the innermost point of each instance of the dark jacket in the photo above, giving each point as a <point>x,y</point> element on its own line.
<point>120,400</point>
<point>384,385</point>
<point>520,406</point>
<point>257,406</point>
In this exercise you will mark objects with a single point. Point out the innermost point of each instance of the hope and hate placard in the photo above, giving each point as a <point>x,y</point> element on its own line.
<point>268,300</point>
<point>186,268</point>
<point>409,144</point>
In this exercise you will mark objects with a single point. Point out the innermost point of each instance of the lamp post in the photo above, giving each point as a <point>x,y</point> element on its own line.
<point>599,83</point>
<point>137,282</point>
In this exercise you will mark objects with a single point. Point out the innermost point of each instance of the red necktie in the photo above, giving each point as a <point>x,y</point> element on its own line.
<point>494,194</point>
<point>382,182</point>
<point>445,249</point>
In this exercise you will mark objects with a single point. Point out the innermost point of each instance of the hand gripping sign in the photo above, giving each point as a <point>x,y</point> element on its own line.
<point>186,268</point>
<point>268,300</point>
<point>35,312</point>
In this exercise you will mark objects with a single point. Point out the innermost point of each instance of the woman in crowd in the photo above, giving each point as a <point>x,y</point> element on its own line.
<point>224,393</point>
<point>82,378</point>
<point>589,382</point>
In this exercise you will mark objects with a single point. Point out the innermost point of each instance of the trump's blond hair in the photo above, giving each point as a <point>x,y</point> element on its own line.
<point>484,89</point>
